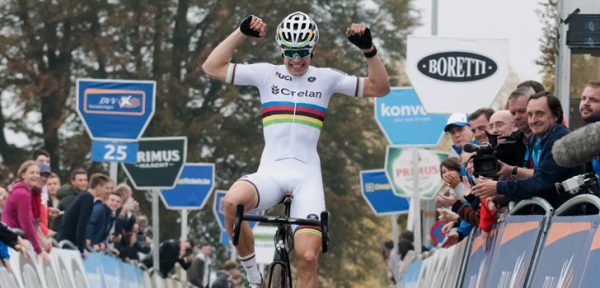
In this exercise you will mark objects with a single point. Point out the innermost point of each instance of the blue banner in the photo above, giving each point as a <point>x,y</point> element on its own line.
<point>378,193</point>
<point>192,188</point>
<point>561,264</point>
<point>591,277</point>
<point>517,239</point>
<point>119,152</point>
<point>404,121</point>
<point>115,109</point>
<point>480,258</point>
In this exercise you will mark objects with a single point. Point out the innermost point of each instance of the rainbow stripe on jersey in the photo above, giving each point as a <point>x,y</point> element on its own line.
<point>288,112</point>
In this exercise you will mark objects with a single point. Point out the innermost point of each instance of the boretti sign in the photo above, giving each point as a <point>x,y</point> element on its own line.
<point>454,75</point>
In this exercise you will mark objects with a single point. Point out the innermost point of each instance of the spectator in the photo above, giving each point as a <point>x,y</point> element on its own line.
<point>460,134</point>
<point>41,156</point>
<point>67,193</point>
<point>502,131</point>
<point>77,216</point>
<point>589,109</point>
<point>170,252</point>
<point>126,214</point>
<point>225,275</point>
<point>101,221</point>
<point>533,85</point>
<point>501,125</point>
<point>200,270</point>
<point>479,124</point>
<point>517,105</point>
<point>53,184</point>
<point>545,115</point>
<point>18,212</point>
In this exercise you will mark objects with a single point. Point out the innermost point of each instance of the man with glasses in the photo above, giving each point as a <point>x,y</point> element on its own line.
<point>294,99</point>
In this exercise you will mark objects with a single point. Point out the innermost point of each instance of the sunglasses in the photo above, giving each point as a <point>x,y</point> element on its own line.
<point>291,53</point>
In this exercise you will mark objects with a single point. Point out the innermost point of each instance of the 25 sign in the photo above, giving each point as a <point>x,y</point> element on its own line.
<point>120,152</point>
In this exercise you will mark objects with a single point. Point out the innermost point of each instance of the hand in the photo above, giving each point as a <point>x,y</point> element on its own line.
<point>53,212</point>
<point>505,170</point>
<point>45,256</point>
<point>21,246</point>
<point>360,35</point>
<point>491,204</point>
<point>450,240</point>
<point>447,216</point>
<point>448,227</point>
<point>446,201</point>
<point>253,26</point>
<point>451,179</point>
<point>484,188</point>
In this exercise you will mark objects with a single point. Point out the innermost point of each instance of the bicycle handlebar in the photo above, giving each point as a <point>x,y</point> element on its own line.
<point>282,220</point>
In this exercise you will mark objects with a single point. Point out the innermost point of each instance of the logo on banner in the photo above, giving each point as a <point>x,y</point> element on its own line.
<point>158,158</point>
<point>114,102</point>
<point>457,66</point>
<point>399,170</point>
<point>456,74</point>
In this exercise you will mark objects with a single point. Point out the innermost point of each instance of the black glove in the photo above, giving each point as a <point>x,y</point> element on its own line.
<point>245,28</point>
<point>363,41</point>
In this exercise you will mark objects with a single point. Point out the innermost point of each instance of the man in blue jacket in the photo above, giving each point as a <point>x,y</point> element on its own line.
<point>545,116</point>
<point>101,220</point>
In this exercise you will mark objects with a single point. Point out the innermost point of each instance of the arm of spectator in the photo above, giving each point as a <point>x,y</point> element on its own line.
<point>466,212</point>
<point>7,236</point>
<point>27,223</point>
<point>92,223</point>
<point>543,179</point>
<point>82,221</point>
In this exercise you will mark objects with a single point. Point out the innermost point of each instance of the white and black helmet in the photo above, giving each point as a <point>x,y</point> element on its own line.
<point>296,31</point>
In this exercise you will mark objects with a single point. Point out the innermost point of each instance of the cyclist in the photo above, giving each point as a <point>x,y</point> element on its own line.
<point>294,99</point>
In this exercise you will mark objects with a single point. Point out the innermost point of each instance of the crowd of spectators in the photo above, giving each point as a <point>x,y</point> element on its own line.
<point>524,133</point>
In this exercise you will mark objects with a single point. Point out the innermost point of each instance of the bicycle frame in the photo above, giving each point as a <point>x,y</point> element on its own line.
<point>283,243</point>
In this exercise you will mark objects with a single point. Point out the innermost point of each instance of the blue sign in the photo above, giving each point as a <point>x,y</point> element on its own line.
<point>115,109</point>
<point>378,193</point>
<point>404,121</point>
<point>218,210</point>
<point>192,188</point>
<point>120,152</point>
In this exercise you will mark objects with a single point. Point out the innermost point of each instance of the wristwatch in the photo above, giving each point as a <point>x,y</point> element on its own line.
<point>514,172</point>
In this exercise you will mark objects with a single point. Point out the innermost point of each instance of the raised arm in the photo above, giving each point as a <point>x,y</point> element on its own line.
<point>217,63</point>
<point>377,83</point>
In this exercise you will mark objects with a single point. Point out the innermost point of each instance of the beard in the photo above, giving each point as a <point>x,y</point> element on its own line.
<point>595,117</point>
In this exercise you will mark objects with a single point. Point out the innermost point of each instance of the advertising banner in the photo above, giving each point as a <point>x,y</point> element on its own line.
<point>379,195</point>
<point>454,74</point>
<point>561,264</point>
<point>516,245</point>
<point>192,188</point>
<point>159,162</point>
<point>399,170</point>
<point>404,121</point>
<point>480,258</point>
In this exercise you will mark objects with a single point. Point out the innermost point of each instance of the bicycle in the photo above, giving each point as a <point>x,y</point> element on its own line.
<point>280,273</point>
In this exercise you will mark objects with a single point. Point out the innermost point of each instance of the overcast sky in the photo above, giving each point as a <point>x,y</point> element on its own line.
<point>513,19</point>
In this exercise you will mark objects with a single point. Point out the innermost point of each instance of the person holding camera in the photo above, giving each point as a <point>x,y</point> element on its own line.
<point>170,252</point>
<point>544,112</point>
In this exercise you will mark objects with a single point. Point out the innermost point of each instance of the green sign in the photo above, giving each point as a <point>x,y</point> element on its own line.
<point>159,163</point>
<point>399,170</point>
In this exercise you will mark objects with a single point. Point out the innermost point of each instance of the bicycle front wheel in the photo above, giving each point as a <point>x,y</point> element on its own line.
<point>278,276</point>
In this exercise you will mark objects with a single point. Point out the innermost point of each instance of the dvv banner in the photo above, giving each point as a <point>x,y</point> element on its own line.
<point>399,170</point>
<point>159,162</point>
<point>404,121</point>
<point>456,75</point>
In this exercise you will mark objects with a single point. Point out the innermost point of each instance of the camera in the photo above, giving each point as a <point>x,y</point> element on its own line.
<point>485,160</point>
<point>580,184</point>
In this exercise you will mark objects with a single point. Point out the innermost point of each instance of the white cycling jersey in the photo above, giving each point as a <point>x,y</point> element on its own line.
<point>293,110</point>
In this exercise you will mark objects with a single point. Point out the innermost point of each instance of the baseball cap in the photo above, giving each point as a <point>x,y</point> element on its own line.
<point>458,119</point>
<point>44,169</point>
